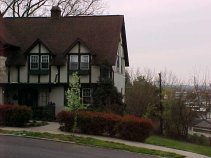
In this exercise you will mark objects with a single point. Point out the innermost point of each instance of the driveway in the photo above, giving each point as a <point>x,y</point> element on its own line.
<point>18,147</point>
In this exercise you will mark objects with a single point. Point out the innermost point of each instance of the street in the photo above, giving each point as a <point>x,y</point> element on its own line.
<point>18,147</point>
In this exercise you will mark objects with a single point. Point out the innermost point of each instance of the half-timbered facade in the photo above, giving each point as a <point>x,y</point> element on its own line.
<point>39,55</point>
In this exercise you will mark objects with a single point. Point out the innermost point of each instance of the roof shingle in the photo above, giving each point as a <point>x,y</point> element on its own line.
<point>100,33</point>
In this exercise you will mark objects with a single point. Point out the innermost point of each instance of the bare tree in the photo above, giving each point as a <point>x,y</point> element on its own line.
<point>28,8</point>
<point>199,98</point>
<point>80,7</point>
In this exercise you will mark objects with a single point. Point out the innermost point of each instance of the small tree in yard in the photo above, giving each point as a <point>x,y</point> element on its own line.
<point>73,98</point>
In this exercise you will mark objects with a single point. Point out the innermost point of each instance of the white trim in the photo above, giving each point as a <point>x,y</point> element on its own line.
<point>86,89</point>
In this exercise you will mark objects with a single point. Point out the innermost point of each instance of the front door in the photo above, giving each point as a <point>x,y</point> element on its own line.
<point>28,96</point>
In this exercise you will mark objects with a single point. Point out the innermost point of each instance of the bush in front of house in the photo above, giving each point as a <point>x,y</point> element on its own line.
<point>101,123</point>
<point>98,123</point>
<point>135,128</point>
<point>66,120</point>
<point>14,115</point>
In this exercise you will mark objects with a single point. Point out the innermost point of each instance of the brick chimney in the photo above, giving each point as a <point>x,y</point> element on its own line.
<point>55,12</point>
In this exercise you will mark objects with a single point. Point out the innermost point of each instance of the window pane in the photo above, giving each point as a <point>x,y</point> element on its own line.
<point>84,62</point>
<point>44,61</point>
<point>34,62</point>
<point>86,95</point>
<point>73,62</point>
<point>86,92</point>
<point>43,97</point>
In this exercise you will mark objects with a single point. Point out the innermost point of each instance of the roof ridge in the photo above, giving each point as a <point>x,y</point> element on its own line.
<point>83,16</point>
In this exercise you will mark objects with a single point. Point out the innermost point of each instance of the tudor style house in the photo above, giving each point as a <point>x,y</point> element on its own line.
<point>39,54</point>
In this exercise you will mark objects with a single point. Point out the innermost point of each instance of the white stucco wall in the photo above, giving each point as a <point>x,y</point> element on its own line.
<point>54,72</point>
<point>44,78</point>
<point>3,77</point>
<point>3,70</point>
<point>63,74</point>
<point>119,73</point>
<point>13,75</point>
<point>23,73</point>
<point>95,74</point>
<point>84,49</point>
<point>35,49</point>
<point>57,96</point>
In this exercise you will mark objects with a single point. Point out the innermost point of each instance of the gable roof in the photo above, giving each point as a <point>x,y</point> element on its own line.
<point>100,33</point>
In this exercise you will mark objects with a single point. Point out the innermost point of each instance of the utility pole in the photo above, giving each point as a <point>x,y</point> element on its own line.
<point>161,106</point>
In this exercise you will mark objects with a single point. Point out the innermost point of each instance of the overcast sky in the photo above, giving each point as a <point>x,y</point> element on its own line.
<point>167,34</point>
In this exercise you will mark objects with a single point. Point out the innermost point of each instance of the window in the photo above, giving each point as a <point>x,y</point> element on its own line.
<point>34,62</point>
<point>43,97</point>
<point>73,62</point>
<point>79,62</point>
<point>84,65</point>
<point>44,62</point>
<point>118,63</point>
<point>86,95</point>
<point>39,64</point>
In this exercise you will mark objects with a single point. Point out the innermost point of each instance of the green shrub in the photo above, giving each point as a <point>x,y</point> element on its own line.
<point>134,128</point>
<point>14,115</point>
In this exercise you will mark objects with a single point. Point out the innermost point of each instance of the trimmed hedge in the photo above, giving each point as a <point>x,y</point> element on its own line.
<point>100,123</point>
<point>134,128</point>
<point>14,115</point>
<point>97,123</point>
<point>65,119</point>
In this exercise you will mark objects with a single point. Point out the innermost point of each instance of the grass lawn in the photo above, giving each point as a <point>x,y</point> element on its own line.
<point>171,143</point>
<point>93,142</point>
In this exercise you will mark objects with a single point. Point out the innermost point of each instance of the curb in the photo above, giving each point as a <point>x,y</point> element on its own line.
<point>67,142</point>
<point>38,138</point>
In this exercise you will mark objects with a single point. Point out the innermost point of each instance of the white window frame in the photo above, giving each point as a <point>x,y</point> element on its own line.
<point>43,97</point>
<point>86,89</point>
<point>71,56</point>
<point>85,68</point>
<point>31,56</point>
<point>41,61</point>
<point>85,96</point>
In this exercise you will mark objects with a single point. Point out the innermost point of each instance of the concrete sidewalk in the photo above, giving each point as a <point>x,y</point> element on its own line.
<point>53,127</point>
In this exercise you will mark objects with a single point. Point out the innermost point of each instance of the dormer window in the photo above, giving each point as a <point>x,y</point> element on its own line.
<point>36,59</point>
<point>73,62</point>
<point>34,62</point>
<point>79,63</point>
<point>84,65</point>
<point>39,59</point>
<point>44,65</point>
